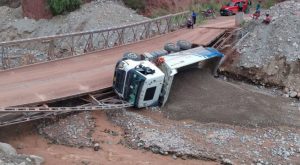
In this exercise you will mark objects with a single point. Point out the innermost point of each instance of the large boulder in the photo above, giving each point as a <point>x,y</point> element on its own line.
<point>7,149</point>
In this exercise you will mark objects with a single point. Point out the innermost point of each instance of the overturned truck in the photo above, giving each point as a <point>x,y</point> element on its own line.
<point>145,80</point>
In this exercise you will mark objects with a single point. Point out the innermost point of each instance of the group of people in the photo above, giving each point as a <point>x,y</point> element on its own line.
<point>256,15</point>
<point>191,21</point>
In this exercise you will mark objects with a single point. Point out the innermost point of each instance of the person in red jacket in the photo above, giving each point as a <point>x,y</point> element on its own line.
<point>267,20</point>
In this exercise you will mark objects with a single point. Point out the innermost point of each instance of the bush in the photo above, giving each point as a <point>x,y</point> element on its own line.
<point>60,6</point>
<point>138,5</point>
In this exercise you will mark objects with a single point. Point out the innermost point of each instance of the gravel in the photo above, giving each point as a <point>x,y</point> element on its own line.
<point>75,130</point>
<point>214,141</point>
<point>99,14</point>
<point>280,38</point>
<point>270,54</point>
<point>8,156</point>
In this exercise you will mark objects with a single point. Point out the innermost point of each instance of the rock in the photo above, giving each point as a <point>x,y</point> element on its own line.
<point>140,144</point>
<point>286,90</point>
<point>37,159</point>
<point>293,94</point>
<point>28,159</point>
<point>96,147</point>
<point>85,162</point>
<point>7,149</point>
<point>184,157</point>
<point>155,150</point>
<point>226,162</point>
<point>174,157</point>
<point>19,146</point>
<point>23,163</point>
<point>295,45</point>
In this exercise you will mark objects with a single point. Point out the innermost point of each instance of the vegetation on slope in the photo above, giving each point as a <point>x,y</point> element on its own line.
<point>61,6</point>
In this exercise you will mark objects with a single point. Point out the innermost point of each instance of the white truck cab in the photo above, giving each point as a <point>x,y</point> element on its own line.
<point>138,82</point>
<point>147,83</point>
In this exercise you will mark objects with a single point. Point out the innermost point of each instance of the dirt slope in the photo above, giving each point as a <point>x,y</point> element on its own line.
<point>270,54</point>
<point>197,95</point>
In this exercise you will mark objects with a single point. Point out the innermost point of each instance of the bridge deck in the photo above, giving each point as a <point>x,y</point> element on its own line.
<point>82,74</point>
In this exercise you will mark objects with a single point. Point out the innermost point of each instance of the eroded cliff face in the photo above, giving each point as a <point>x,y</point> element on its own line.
<point>156,6</point>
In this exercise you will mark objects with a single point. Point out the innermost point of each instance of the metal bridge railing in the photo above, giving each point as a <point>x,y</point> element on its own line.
<point>36,50</point>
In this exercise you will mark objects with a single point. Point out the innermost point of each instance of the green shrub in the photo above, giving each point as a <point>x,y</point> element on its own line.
<point>138,5</point>
<point>60,6</point>
<point>73,5</point>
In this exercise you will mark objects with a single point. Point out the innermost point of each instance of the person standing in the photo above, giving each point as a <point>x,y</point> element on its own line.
<point>240,7</point>
<point>267,20</point>
<point>257,11</point>
<point>194,17</point>
<point>258,6</point>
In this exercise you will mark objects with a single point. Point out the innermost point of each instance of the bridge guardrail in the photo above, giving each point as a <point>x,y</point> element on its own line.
<point>42,49</point>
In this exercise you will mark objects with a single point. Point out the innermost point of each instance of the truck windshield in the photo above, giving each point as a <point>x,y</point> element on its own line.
<point>135,81</point>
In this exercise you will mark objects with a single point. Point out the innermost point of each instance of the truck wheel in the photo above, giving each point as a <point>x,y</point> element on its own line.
<point>132,56</point>
<point>171,47</point>
<point>184,45</point>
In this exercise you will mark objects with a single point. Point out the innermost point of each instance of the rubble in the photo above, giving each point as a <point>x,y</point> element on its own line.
<point>224,143</point>
<point>280,38</point>
<point>9,156</point>
<point>98,14</point>
<point>270,54</point>
<point>74,130</point>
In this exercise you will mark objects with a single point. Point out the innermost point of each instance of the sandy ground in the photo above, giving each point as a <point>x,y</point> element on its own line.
<point>27,140</point>
<point>197,95</point>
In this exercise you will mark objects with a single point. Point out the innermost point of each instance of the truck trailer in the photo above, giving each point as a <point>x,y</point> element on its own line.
<point>145,80</point>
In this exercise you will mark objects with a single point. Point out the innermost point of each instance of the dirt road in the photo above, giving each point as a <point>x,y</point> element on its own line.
<point>68,77</point>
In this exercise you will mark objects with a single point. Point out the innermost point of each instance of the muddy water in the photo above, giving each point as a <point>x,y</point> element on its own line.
<point>197,95</point>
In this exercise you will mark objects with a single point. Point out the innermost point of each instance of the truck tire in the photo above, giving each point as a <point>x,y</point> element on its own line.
<point>158,53</point>
<point>171,47</point>
<point>131,56</point>
<point>184,45</point>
